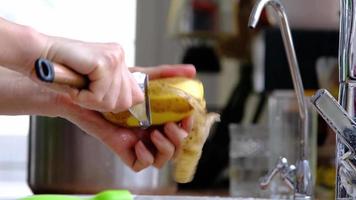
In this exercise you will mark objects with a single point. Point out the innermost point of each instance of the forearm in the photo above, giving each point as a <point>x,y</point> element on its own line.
<point>20,46</point>
<point>19,96</point>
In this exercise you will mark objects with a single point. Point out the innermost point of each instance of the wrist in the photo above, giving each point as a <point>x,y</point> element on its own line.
<point>37,46</point>
<point>22,46</point>
<point>63,106</point>
<point>22,96</point>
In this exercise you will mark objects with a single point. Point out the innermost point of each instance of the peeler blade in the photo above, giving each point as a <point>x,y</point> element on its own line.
<point>142,111</point>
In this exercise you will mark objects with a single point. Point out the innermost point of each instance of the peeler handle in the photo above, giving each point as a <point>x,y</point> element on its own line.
<point>52,72</point>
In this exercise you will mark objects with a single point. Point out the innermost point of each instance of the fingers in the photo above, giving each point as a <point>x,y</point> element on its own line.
<point>122,92</point>
<point>144,157</point>
<point>137,94</point>
<point>111,96</point>
<point>139,149</point>
<point>187,124</point>
<point>166,146</point>
<point>111,85</point>
<point>124,100</point>
<point>165,149</point>
<point>176,135</point>
<point>167,71</point>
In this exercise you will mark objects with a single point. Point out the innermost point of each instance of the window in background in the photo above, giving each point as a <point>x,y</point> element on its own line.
<point>97,21</point>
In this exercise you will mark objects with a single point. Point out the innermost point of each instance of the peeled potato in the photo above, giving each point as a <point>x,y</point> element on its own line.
<point>173,99</point>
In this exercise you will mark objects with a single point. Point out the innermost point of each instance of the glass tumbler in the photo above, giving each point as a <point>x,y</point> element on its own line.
<point>248,159</point>
<point>285,129</point>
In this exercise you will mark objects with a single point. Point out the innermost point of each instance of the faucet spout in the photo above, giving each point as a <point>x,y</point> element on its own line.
<point>256,13</point>
<point>289,47</point>
<point>304,182</point>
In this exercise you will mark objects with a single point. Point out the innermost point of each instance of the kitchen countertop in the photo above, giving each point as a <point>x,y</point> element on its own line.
<point>13,189</point>
<point>208,192</point>
<point>16,190</point>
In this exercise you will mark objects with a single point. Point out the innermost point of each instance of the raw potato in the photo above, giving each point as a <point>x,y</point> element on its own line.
<point>166,105</point>
<point>173,99</point>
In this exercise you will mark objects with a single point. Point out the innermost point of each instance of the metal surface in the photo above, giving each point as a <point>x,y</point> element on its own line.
<point>345,128</point>
<point>347,97</point>
<point>64,159</point>
<point>303,181</point>
<point>347,43</point>
<point>336,117</point>
<point>287,174</point>
<point>142,111</point>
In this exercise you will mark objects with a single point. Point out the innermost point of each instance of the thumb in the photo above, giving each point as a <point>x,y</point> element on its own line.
<point>137,94</point>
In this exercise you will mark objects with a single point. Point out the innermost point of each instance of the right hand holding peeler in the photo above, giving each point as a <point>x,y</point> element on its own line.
<point>51,72</point>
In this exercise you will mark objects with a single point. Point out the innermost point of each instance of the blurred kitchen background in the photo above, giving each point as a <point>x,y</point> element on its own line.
<point>242,69</point>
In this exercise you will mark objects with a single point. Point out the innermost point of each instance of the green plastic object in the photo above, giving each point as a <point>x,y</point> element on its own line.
<point>114,195</point>
<point>105,195</point>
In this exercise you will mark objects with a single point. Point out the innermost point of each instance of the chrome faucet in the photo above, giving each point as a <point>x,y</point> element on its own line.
<point>302,182</point>
<point>341,115</point>
<point>345,128</point>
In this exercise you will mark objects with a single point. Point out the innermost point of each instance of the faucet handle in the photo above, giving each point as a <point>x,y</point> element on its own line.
<point>336,117</point>
<point>287,174</point>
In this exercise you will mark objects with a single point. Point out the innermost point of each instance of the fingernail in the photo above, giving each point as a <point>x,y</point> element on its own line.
<point>185,134</point>
<point>172,127</point>
<point>141,147</point>
<point>158,135</point>
<point>169,127</point>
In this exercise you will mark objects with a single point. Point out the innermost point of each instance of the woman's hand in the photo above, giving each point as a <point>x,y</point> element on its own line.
<point>138,148</point>
<point>162,71</point>
<point>112,87</point>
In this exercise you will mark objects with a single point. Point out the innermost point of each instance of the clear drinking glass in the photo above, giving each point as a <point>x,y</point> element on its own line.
<point>284,139</point>
<point>248,159</point>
